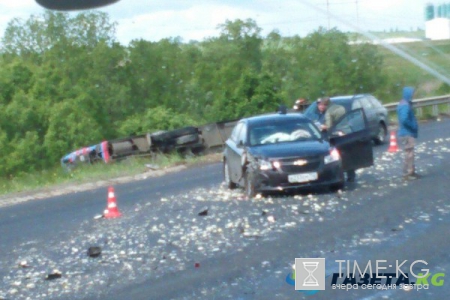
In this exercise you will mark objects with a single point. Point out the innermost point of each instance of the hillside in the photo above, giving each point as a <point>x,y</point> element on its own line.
<point>434,54</point>
<point>402,71</point>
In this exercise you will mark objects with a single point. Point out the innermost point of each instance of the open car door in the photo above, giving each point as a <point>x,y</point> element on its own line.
<point>351,136</point>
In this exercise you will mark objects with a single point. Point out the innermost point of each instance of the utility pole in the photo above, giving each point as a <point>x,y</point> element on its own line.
<point>328,13</point>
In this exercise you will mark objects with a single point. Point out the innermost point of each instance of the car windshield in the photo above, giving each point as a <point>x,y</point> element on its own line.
<point>312,112</point>
<point>282,132</point>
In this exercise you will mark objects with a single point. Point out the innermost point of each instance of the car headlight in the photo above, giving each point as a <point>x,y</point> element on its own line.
<point>332,157</point>
<point>264,165</point>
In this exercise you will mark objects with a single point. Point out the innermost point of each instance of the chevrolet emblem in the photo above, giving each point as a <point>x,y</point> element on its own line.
<point>300,162</point>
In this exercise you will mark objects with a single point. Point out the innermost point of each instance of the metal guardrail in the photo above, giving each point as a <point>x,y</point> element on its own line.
<point>419,104</point>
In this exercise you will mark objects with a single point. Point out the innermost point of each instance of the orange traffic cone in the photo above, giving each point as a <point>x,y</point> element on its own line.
<point>111,210</point>
<point>393,143</point>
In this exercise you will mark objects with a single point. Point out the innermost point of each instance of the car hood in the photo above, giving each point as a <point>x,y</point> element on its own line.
<point>290,149</point>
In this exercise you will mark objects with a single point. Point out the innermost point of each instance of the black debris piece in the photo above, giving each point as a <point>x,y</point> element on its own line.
<point>204,212</point>
<point>55,275</point>
<point>94,251</point>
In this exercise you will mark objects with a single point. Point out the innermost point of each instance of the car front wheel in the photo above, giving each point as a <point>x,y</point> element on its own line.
<point>226,174</point>
<point>250,190</point>
<point>337,186</point>
<point>381,135</point>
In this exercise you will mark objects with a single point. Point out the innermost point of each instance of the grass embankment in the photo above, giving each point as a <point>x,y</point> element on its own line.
<point>401,71</point>
<point>88,173</point>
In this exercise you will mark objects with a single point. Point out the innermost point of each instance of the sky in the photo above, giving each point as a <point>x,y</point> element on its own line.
<point>154,20</point>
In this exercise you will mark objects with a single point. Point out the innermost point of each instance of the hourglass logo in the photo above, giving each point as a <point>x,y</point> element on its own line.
<point>310,273</point>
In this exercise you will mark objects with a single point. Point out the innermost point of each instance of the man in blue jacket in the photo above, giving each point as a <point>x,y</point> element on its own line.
<point>408,132</point>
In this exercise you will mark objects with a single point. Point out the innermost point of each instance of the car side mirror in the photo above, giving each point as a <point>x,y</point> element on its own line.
<point>68,5</point>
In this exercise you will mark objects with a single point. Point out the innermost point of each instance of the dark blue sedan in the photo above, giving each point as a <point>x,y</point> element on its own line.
<point>280,152</point>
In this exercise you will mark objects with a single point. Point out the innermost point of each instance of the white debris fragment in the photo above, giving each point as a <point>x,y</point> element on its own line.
<point>271,219</point>
<point>24,264</point>
<point>290,224</point>
<point>317,207</point>
<point>370,240</point>
<point>407,287</point>
<point>13,291</point>
<point>424,217</point>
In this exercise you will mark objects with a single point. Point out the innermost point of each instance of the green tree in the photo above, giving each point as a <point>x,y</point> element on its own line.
<point>41,33</point>
<point>25,155</point>
<point>5,150</point>
<point>22,115</point>
<point>155,119</point>
<point>71,126</point>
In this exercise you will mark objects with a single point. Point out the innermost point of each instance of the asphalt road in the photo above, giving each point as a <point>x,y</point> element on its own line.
<point>242,249</point>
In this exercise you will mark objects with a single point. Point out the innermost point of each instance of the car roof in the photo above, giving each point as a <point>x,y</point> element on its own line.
<point>263,119</point>
<point>348,97</point>
<point>346,100</point>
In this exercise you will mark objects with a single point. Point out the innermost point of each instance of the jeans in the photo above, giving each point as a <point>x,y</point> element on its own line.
<point>408,144</point>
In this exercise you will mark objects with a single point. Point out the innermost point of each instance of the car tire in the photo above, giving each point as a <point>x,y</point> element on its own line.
<point>337,186</point>
<point>167,137</point>
<point>176,133</point>
<point>249,184</point>
<point>381,134</point>
<point>227,178</point>
<point>183,131</point>
<point>158,137</point>
<point>186,139</point>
